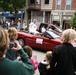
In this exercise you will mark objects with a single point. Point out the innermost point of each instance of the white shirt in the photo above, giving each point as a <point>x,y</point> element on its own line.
<point>19,25</point>
<point>43,29</point>
<point>32,28</point>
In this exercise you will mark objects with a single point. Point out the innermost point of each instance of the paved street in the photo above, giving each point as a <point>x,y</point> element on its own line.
<point>40,57</point>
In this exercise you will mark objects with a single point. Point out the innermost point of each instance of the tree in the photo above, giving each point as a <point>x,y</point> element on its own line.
<point>73,21</point>
<point>12,5</point>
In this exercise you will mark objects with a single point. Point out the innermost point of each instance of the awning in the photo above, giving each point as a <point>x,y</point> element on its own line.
<point>20,15</point>
<point>8,15</point>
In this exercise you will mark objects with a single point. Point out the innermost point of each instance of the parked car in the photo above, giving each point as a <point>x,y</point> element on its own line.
<point>45,41</point>
<point>50,26</point>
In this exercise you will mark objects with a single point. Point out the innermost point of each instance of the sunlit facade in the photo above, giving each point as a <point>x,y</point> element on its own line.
<point>62,12</point>
<point>39,9</point>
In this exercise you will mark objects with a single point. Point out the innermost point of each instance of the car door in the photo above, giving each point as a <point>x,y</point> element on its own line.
<point>48,42</point>
<point>41,42</point>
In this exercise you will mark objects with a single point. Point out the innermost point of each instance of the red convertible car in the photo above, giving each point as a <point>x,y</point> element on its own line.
<point>46,41</point>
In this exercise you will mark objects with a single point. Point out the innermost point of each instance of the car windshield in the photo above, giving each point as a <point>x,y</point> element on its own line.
<point>55,36</point>
<point>59,28</point>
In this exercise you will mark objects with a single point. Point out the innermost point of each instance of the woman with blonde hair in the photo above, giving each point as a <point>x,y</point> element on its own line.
<point>8,67</point>
<point>11,54</point>
<point>63,60</point>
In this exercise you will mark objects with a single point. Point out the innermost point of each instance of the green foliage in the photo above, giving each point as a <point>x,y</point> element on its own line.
<point>25,29</point>
<point>11,5</point>
<point>21,28</point>
<point>73,21</point>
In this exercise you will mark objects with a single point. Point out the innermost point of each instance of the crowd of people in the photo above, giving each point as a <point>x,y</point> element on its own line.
<point>17,60</point>
<point>31,27</point>
<point>12,23</point>
<point>13,67</point>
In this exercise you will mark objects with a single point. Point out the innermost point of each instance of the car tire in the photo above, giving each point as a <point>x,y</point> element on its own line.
<point>21,42</point>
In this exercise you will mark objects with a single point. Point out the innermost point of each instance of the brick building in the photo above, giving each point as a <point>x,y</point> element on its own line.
<point>54,11</point>
<point>62,12</point>
<point>38,9</point>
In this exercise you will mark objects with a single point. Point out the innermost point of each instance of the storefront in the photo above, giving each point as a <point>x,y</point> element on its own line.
<point>62,17</point>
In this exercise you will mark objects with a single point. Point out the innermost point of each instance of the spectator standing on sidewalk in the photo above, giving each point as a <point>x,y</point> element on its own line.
<point>8,67</point>
<point>24,25</point>
<point>63,60</point>
<point>34,61</point>
<point>44,66</point>
<point>11,54</point>
<point>19,25</point>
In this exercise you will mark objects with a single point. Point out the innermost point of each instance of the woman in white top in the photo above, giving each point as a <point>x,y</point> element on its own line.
<point>33,27</point>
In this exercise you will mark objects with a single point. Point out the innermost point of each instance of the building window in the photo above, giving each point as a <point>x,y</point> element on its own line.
<point>68,4</point>
<point>46,1</point>
<point>58,4</point>
<point>38,1</point>
<point>36,13</point>
<point>32,1</point>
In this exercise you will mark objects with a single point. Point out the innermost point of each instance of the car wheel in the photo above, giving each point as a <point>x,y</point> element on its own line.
<point>21,42</point>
